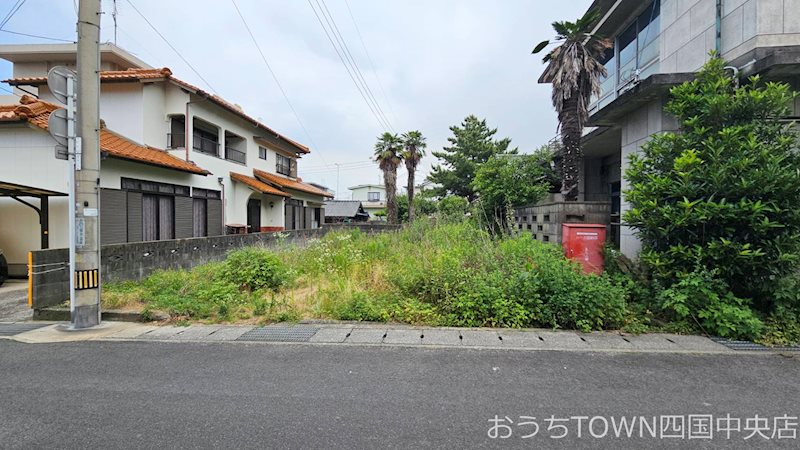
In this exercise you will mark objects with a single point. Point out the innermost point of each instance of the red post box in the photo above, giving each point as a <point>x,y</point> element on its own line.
<point>583,242</point>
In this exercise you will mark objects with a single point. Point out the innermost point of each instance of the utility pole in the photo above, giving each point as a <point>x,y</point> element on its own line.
<point>86,312</point>
<point>337,194</point>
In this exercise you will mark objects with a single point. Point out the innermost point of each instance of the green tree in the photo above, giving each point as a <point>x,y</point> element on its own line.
<point>506,181</point>
<point>423,205</point>
<point>722,194</point>
<point>471,145</point>
<point>413,150</point>
<point>387,154</point>
<point>574,71</point>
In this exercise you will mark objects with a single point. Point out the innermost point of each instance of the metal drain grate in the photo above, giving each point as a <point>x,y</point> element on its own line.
<point>752,346</point>
<point>11,329</point>
<point>279,334</point>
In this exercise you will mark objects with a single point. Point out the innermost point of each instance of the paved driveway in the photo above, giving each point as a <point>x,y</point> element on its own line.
<point>14,301</point>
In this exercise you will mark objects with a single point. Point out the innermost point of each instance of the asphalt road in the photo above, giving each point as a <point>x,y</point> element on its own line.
<point>234,395</point>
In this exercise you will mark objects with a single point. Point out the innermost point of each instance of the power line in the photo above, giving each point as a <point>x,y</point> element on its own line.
<point>371,62</point>
<point>349,72</point>
<point>171,46</point>
<point>353,63</point>
<point>324,166</point>
<point>275,77</point>
<point>11,13</point>
<point>37,36</point>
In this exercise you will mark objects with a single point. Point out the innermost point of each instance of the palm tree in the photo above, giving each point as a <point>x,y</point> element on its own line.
<point>414,149</point>
<point>387,154</point>
<point>574,70</point>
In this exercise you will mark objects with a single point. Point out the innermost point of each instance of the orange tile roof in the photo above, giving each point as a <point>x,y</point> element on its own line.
<point>28,109</point>
<point>37,112</point>
<point>165,74</point>
<point>120,147</point>
<point>288,183</point>
<point>257,185</point>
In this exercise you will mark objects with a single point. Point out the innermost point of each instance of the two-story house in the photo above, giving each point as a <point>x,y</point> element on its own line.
<point>371,196</point>
<point>192,164</point>
<point>657,45</point>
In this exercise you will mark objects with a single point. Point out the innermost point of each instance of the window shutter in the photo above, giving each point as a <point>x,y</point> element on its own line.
<point>114,226</point>
<point>214,211</point>
<point>184,226</point>
<point>134,217</point>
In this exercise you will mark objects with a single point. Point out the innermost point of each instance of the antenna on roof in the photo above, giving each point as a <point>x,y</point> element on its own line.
<point>114,16</point>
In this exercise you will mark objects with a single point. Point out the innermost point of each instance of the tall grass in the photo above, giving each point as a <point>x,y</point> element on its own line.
<point>427,273</point>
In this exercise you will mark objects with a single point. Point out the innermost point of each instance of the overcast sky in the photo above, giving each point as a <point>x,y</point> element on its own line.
<point>435,62</point>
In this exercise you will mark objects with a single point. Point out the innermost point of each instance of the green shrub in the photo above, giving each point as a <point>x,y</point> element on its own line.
<point>253,269</point>
<point>723,192</point>
<point>705,299</point>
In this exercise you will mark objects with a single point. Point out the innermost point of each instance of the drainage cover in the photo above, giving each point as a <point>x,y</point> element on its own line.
<point>279,334</point>
<point>11,329</point>
<point>752,346</point>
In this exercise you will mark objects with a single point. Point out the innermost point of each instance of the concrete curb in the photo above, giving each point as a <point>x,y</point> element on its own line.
<point>378,336</point>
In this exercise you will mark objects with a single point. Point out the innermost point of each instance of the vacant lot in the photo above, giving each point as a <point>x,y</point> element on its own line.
<point>435,274</point>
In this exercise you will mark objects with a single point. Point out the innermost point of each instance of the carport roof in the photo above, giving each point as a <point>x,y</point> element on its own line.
<point>18,190</point>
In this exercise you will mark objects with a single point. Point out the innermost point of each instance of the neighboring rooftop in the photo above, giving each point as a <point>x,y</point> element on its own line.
<point>257,185</point>
<point>286,183</point>
<point>22,53</point>
<point>379,186</point>
<point>37,112</point>
<point>165,74</point>
<point>344,208</point>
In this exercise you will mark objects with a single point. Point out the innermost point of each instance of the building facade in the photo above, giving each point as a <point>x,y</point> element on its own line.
<point>371,196</point>
<point>657,45</point>
<point>178,161</point>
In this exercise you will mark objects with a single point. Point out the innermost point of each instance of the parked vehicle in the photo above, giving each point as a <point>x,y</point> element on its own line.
<point>3,268</point>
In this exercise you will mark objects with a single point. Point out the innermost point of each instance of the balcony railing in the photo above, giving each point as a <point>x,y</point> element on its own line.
<point>176,140</point>
<point>205,145</point>
<point>235,155</point>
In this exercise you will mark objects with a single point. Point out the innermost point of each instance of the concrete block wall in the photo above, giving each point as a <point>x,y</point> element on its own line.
<point>136,260</point>
<point>544,220</point>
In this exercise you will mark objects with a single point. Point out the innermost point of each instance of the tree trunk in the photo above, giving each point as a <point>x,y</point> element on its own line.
<point>573,155</point>
<point>390,182</point>
<point>410,190</point>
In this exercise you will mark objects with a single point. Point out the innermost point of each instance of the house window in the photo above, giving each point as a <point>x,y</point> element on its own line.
<point>177,132</point>
<point>158,217</point>
<point>262,153</point>
<point>283,165</point>
<point>200,217</point>
<point>373,196</point>
<point>158,206</point>
<point>204,138</point>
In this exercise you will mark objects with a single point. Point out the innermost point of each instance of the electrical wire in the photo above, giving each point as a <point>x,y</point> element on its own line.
<point>353,63</point>
<point>371,62</point>
<point>14,9</point>
<point>347,68</point>
<point>166,41</point>
<point>275,78</point>
<point>37,36</point>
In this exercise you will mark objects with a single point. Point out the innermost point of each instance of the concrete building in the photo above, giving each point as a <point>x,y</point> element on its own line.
<point>179,161</point>
<point>659,44</point>
<point>371,196</point>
